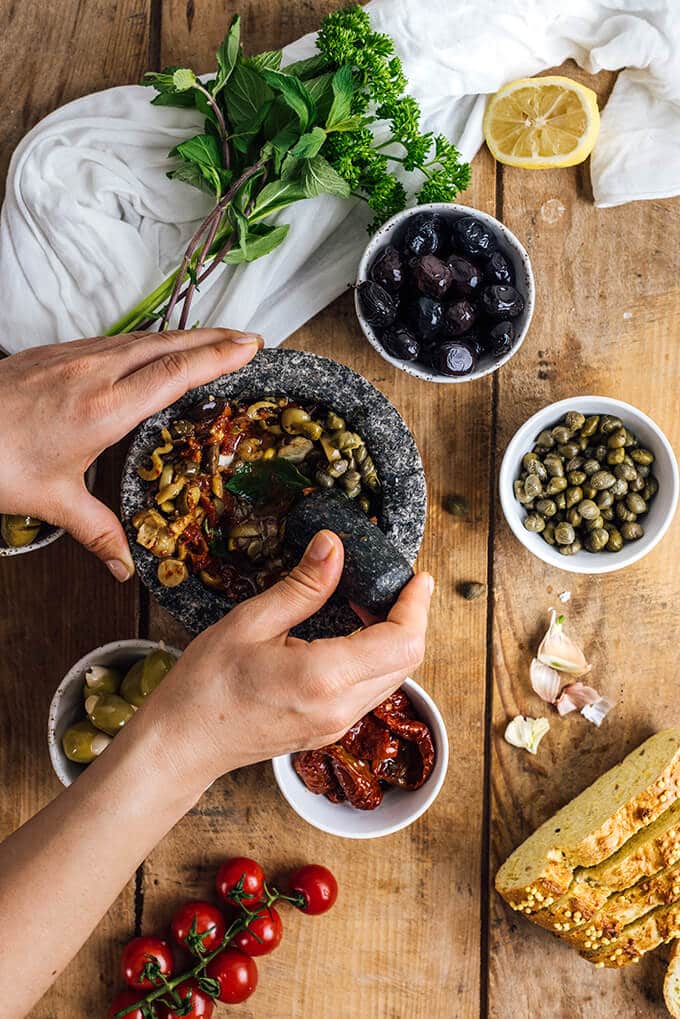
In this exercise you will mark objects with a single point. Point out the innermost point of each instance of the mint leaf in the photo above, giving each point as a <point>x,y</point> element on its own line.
<point>269,60</point>
<point>351,124</point>
<point>183,79</point>
<point>190,173</point>
<point>281,143</point>
<point>204,152</point>
<point>343,90</point>
<point>262,479</point>
<point>321,91</point>
<point>307,68</point>
<point>276,196</point>
<point>162,81</point>
<point>250,128</point>
<point>185,99</point>
<point>260,240</point>
<point>244,96</point>
<point>309,144</point>
<point>227,54</point>
<point>294,93</point>
<point>319,178</point>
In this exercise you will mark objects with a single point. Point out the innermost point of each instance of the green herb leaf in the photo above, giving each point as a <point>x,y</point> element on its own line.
<point>245,95</point>
<point>343,91</point>
<point>321,91</point>
<point>203,151</point>
<point>227,54</point>
<point>319,178</point>
<point>309,144</point>
<point>294,93</point>
<point>260,240</point>
<point>276,196</point>
<point>269,60</point>
<point>179,99</point>
<point>191,173</point>
<point>354,123</point>
<point>307,68</point>
<point>281,143</point>
<point>162,81</point>
<point>183,79</point>
<point>262,479</point>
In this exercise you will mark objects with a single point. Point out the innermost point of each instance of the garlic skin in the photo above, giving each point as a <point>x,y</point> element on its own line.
<point>560,652</point>
<point>545,681</point>
<point>597,712</point>
<point>526,733</point>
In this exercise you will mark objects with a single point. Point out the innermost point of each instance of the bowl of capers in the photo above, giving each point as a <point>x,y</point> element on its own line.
<point>589,484</point>
<point>98,696</point>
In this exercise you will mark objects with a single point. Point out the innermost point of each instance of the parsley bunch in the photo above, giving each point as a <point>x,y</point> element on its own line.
<point>273,136</point>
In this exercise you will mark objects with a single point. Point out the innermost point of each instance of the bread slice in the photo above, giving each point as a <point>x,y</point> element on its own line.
<point>594,825</point>
<point>651,930</point>
<point>623,908</point>
<point>671,984</point>
<point>654,847</point>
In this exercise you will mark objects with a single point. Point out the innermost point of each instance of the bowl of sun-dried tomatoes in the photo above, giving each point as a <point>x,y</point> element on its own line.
<point>382,775</point>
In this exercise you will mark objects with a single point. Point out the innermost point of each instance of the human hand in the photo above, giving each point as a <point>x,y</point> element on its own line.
<point>62,405</point>
<point>245,690</point>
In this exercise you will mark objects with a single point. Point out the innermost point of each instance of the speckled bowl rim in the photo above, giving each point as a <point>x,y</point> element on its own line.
<point>451,210</point>
<point>54,532</point>
<point>310,377</point>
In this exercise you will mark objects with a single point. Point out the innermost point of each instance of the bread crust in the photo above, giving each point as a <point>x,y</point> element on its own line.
<point>671,984</point>
<point>654,928</point>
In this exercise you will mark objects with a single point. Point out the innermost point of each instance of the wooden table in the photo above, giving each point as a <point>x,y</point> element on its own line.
<point>418,932</point>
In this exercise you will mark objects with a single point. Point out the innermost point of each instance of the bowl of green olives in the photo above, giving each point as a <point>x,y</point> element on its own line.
<point>589,484</point>
<point>20,533</point>
<point>444,292</point>
<point>98,696</point>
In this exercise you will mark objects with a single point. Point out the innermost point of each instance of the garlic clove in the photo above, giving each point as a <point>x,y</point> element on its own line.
<point>564,704</point>
<point>560,652</point>
<point>581,695</point>
<point>526,733</point>
<point>597,712</point>
<point>545,681</point>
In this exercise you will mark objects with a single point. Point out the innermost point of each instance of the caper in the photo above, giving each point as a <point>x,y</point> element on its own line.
<point>312,429</point>
<point>19,531</point>
<point>615,456</point>
<point>324,480</point>
<point>631,441</point>
<point>597,540</point>
<point>534,522</point>
<point>625,471</point>
<point>334,422</point>
<point>518,486</point>
<point>351,482</point>
<point>643,470</point>
<point>652,487</point>
<point>595,524</point>
<point>615,542</point>
<point>635,503</point>
<point>546,507</point>
<point>642,456</point>
<point>537,468</point>
<point>574,517</point>
<point>548,533</point>
<point>554,465</point>
<point>589,492</point>
<point>573,495</point>
<point>101,679</point>
<point>575,464</point>
<point>555,485</point>
<point>564,533</point>
<point>591,467</point>
<point>619,488</point>
<point>574,420</point>
<point>600,453</point>
<point>471,589</point>
<point>545,440</point>
<point>561,434</point>
<point>337,468</point>
<point>637,484</point>
<point>576,477</point>
<point>601,480</point>
<point>607,513</point>
<point>605,499</point>
<point>458,506</point>
<point>588,509</point>
<point>188,468</point>
<point>108,712</point>
<point>561,501</point>
<point>590,425</point>
<point>569,449</point>
<point>624,514</point>
<point>532,487</point>
<point>364,503</point>
<point>82,743</point>
<point>610,424</point>
<point>571,549</point>
<point>617,438</point>
<point>631,531</point>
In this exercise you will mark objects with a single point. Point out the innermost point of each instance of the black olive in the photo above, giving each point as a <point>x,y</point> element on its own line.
<point>500,338</point>
<point>498,269</point>
<point>379,307</point>
<point>458,318</point>
<point>425,316</point>
<point>424,235</point>
<point>473,238</point>
<point>454,357</point>
<point>387,268</point>
<point>400,342</point>
<point>207,408</point>
<point>432,276</point>
<point>501,302</point>
<point>467,278</point>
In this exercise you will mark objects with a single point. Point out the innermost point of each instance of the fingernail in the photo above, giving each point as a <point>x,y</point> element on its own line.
<point>320,547</point>
<point>249,338</point>
<point>430,583</point>
<point>120,571</point>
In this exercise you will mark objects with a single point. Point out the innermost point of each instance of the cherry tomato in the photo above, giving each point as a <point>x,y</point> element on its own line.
<point>202,1005</point>
<point>123,1000</point>
<point>137,954</point>
<point>266,927</point>
<point>199,918</point>
<point>317,885</point>
<point>238,869</point>
<point>236,974</point>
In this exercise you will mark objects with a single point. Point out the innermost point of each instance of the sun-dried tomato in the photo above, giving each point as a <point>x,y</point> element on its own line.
<point>314,768</point>
<point>370,740</point>
<point>355,778</point>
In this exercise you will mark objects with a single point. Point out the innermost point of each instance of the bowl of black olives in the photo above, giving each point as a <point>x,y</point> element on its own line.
<point>445,292</point>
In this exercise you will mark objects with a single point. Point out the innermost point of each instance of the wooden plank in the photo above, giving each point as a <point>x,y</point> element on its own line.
<point>376,950</point>
<point>607,302</point>
<point>60,603</point>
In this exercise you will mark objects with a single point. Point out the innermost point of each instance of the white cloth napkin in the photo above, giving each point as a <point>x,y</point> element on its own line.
<point>91,223</point>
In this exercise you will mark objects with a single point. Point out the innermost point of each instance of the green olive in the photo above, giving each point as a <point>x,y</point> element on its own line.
<point>145,675</point>
<point>108,712</point>
<point>82,742</point>
<point>101,679</point>
<point>19,531</point>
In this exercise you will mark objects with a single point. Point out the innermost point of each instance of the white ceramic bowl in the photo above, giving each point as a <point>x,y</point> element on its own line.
<point>655,523</point>
<point>67,703</point>
<point>510,246</point>
<point>398,809</point>
<point>49,533</point>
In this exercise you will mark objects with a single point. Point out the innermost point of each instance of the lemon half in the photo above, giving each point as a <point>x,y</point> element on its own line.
<point>542,123</point>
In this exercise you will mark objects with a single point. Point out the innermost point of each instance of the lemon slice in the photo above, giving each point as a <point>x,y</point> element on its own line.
<point>542,123</point>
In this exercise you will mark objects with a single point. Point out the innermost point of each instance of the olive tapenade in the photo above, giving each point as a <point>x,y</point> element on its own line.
<point>224,478</point>
<point>387,747</point>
